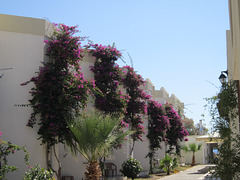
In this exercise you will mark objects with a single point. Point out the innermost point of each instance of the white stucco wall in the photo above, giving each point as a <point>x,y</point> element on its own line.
<point>24,54</point>
<point>234,14</point>
<point>233,49</point>
<point>141,149</point>
<point>22,49</point>
<point>199,155</point>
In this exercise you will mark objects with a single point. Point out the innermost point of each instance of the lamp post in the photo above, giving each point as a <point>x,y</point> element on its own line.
<point>222,78</point>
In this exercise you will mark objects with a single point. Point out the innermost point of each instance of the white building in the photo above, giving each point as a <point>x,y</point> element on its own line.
<point>22,50</point>
<point>233,52</point>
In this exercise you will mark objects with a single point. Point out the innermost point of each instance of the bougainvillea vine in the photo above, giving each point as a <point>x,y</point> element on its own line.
<point>177,132</point>
<point>136,106</point>
<point>60,89</point>
<point>108,76</point>
<point>158,124</point>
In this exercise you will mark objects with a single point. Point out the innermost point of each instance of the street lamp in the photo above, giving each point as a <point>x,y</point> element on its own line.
<point>223,78</point>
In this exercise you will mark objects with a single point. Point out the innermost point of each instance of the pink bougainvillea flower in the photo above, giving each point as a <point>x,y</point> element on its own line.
<point>0,133</point>
<point>59,87</point>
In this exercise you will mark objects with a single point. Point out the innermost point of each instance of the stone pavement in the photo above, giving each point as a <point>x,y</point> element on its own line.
<point>199,172</point>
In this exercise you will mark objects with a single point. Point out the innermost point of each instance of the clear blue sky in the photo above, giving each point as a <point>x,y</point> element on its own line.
<point>178,44</point>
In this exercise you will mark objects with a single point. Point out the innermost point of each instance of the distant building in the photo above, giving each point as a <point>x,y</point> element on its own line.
<point>162,96</point>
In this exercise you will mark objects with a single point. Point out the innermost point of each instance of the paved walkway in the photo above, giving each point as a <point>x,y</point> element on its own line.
<point>199,172</point>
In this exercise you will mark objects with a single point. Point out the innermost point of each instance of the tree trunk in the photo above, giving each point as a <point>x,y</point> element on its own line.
<point>150,155</point>
<point>59,171</point>
<point>168,171</point>
<point>131,152</point>
<point>151,166</point>
<point>193,160</point>
<point>49,156</point>
<point>93,171</point>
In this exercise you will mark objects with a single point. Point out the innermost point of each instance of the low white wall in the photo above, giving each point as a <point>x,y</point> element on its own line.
<point>199,155</point>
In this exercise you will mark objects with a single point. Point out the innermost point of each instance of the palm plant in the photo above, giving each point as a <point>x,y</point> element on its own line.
<point>168,163</point>
<point>94,137</point>
<point>192,147</point>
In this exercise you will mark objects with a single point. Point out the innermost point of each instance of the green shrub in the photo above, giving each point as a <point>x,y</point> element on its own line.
<point>38,173</point>
<point>7,149</point>
<point>131,168</point>
<point>168,163</point>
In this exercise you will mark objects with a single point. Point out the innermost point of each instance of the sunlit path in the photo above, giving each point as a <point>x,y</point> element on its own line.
<point>199,172</point>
